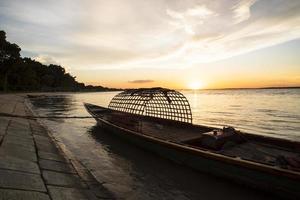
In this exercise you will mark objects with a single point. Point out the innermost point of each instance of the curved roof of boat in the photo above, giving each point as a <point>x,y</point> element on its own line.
<point>155,102</point>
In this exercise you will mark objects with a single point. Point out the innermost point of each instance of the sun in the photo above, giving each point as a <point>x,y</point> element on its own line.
<point>195,85</point>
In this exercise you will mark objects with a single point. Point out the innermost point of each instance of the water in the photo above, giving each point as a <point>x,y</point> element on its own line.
<point>131,173</point>
<point>272,112</point>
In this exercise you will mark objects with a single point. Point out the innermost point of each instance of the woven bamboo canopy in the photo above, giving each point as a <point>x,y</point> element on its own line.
<point>155,102</point>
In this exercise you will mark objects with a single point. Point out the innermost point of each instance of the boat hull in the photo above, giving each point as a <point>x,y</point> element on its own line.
<point>244,172</point>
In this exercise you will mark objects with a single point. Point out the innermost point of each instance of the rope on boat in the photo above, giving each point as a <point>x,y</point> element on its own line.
<point>43,117</point>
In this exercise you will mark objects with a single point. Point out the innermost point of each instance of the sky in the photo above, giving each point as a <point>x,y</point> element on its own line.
<point>169,43</point>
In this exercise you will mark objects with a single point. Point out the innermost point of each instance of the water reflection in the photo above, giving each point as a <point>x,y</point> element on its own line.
<point>60,104</point>
<point>272,112</point>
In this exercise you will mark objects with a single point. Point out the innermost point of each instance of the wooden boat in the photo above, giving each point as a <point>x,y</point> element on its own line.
<point>160,120</point>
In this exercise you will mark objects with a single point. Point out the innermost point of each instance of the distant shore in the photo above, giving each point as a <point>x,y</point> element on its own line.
<point>48,92</point>
<point>119,90</point>
<point>259,88</point>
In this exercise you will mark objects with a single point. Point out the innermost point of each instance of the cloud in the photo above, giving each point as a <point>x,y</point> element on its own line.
<point>190,18</point>
<point>242,10</point>
<point>46,59</point>
<point>174,14</point>
<point>200,11</point>
<point>141,81</point>
<point>128,34</point>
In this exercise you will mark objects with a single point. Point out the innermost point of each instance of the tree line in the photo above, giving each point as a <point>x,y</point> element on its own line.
<point>26,74</point>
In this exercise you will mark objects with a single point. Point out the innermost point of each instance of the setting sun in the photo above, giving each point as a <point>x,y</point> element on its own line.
<point>195,85</point>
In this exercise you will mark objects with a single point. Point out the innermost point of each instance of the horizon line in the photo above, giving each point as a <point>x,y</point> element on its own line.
<point>241,88</point>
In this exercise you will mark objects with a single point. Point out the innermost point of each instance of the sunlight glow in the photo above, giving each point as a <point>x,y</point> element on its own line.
<point>195,85</point>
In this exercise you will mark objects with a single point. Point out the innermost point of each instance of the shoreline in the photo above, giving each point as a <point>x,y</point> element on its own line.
<point>34,165</point>
<point>119,90</point>
<point>25,93</point>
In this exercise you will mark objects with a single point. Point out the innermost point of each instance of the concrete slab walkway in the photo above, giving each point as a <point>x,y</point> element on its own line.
<point>33,166</point>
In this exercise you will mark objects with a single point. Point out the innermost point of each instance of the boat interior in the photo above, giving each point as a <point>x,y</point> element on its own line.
<point>226,141</point>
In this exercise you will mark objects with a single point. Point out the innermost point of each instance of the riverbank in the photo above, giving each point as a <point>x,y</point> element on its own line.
<point>33,165</point>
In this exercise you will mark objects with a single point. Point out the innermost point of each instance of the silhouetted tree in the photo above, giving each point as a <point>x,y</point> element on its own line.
<point>8,51</point>
<point>25,74</point>
<point>9,54</point>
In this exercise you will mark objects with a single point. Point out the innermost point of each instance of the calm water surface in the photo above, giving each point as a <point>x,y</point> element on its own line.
<point>131,173</point>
